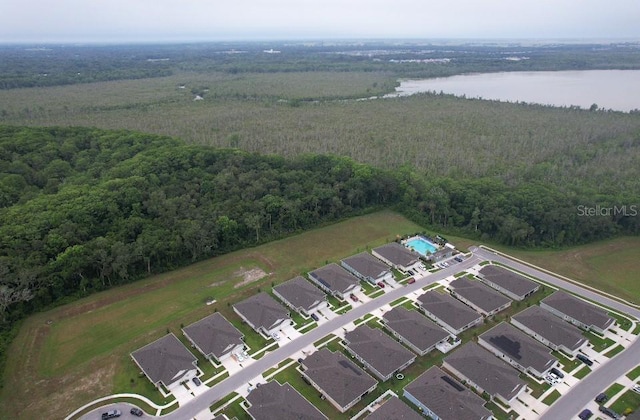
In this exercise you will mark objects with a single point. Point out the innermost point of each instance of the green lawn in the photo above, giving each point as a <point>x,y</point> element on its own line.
<point>613,390</point>
<point>629,399</point>
<point>552,397</point>
<point>634,373</point>
<point>617,349</point>
<point>582,372</point>
<point>621,321</point>
<point>568,364</point>
<point>599,343</point>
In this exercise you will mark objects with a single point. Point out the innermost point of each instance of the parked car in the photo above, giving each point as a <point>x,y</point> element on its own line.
<point>111,414</point>
<point>315,317</point>
<point>275,336</point>
<point>636,388</point>
<point>585,414</point>
<point>411,280</point>
<point>609,412</point>
<point>458,259</point>
<point>300,360</point>
<point>353,297</point>
<point>196,381</point>
<point>136,412</point>
<point>557,372</point>
<point>601,398</point>
<point>381,284</point>
<point>411,272</point>
<point>584,359</point>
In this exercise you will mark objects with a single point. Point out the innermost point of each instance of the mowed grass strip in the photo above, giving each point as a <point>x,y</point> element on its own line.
<point>61,350</point>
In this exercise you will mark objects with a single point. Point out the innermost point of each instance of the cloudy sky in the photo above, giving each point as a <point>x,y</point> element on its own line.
<point>182,20</point>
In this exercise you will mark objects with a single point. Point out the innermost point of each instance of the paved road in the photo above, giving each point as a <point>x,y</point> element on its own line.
<point>123,407</point>
<point>571,403</point>
<point>220,390</point>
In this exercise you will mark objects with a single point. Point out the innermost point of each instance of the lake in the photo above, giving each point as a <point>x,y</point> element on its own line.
<point>611,89</point>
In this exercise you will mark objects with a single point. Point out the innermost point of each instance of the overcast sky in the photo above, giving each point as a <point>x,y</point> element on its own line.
<point>184,20</point>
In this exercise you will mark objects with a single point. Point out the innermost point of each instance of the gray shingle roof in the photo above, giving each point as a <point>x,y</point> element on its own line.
<point>337,376</point>
<point>379,350</point>
<point>448,309</point>
<point>165,360</point>
<point>446,397</point>
<point>480,295</point>
<point>397,254</point>
<point>214,335</point>
<point>394,409</point>
<point>550,327</point>
<point>335,278</point>
<point>519,347</point>
<point>508,280</point>
<point>578,309</point>
<point>282,402</point>
<point>262,310</point>
<point>367,265</point>
<point>414,327</point>
<point>300,293</point>
<point>486,370</point>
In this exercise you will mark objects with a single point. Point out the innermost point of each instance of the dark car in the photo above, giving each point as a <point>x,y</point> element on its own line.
<point>136,412</point>
<point>353,297</point>
<point>196,381</point>
<point>557,372</point>
<point>315,317</point>
<point>381,285</point>
<point>458,259</point>
<point>601,398</point>
<point>111,414</point>
<point>585,414</point>
<point>584,359</point>
<point>609,412</point>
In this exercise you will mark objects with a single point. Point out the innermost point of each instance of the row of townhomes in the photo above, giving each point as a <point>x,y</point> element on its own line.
<point>491,366</point>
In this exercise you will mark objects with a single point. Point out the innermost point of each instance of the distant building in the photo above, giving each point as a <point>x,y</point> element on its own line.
<point>453,315</point>
<point>301,296</point>
<point>334,280</point>
<point>577,311</point>
<point>480,297</point>
<point>215,337</point>
<point>397,256</point>
<point>415,330</point>
<point>281,402</point>
<point>441,397</point>
<point>441,254</point>
<point>262,313</point>
<point>368,268</point>
<point>507,282</point>
<point>518,349</point>
<point>485,372</point>
<point>394,409</point>
<point>550,330</point>
<point>380,354</point>
<point>166,361</point>
<point>341,381</point>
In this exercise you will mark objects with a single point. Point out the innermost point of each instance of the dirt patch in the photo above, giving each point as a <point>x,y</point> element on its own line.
<point>249,276</point>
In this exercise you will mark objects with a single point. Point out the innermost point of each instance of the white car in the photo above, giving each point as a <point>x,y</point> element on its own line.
<point>636,388</point>
<point>275,336</point>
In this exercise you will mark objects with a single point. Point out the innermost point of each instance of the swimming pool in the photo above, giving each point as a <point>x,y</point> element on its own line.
<point>421,246</point>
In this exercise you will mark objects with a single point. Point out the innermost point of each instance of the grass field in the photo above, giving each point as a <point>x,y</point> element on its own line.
<point>628,400</point>
<point>78,352</point>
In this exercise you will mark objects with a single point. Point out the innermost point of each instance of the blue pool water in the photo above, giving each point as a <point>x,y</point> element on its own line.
<point>421,246</point>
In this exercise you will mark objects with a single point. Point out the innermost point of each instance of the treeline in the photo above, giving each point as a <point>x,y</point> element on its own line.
<point>24,66</point>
